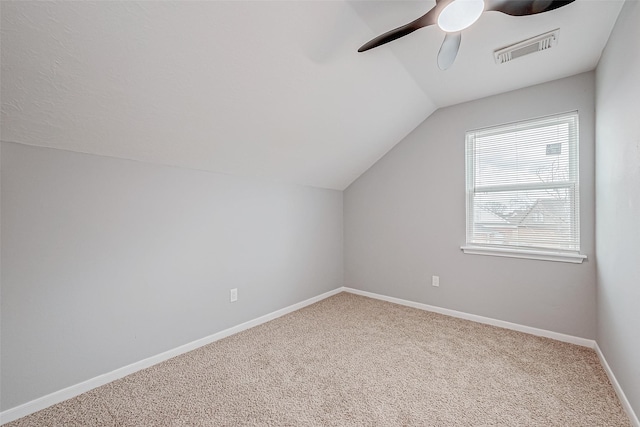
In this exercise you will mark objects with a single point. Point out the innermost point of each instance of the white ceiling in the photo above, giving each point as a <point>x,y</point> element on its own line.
<point>272,89</point>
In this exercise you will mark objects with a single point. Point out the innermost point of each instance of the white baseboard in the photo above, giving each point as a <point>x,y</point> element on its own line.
<point>480,319</point>
<point>616,386</point>
<point>521,328</point>
<point>77,389</point>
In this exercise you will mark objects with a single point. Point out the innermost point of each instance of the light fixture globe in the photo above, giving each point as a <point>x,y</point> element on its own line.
<point>460,14</point>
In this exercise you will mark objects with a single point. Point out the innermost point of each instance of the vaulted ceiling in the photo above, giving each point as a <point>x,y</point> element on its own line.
<point>270,89</point>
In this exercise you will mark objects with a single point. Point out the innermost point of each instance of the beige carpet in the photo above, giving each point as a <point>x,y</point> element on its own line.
<point>351,360</point>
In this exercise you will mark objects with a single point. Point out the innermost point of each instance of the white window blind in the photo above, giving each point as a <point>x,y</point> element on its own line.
<point>522,185</point>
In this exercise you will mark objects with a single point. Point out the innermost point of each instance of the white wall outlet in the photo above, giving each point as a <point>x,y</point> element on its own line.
<point>435,280</point>
<point>233,295</point>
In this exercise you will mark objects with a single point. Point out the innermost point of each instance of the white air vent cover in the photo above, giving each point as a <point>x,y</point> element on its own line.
<point>535,44</point>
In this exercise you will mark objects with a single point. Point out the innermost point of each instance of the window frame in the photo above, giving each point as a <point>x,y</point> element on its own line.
<point>572,183</point>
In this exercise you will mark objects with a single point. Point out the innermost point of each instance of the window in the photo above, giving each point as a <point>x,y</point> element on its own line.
<point>523,189</point>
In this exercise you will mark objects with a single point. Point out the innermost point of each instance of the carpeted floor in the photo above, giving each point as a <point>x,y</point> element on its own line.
<point>351,360</point>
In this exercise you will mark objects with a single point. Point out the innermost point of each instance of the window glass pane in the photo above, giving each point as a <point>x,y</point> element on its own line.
<point>525,156</point>
<point>526,219</point>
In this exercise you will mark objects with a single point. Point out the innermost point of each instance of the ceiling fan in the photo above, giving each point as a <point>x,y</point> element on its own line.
<point>453,16</point>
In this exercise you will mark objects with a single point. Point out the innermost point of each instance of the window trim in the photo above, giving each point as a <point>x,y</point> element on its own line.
<point>542,254</point>
<point>571,257</point>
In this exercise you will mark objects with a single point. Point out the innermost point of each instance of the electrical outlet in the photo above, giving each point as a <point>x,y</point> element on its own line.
<point>233,295</point>
<point>435,280</point>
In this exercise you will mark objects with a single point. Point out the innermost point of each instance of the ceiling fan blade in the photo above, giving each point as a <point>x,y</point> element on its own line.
<point>449,50</point>
<point>524,7</point>
<point>425,20</point>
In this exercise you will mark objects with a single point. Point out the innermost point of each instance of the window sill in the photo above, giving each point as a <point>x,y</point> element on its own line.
<point>526,254</point>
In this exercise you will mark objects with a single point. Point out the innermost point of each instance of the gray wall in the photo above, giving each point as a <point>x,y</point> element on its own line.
<point>405,220</point>
<point>108,261</point>
<point>618,201</point>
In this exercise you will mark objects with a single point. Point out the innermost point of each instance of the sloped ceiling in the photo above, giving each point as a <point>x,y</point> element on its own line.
<point>270,89</point>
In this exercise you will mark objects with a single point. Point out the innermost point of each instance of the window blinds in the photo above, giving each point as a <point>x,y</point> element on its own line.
<point>522,185</point>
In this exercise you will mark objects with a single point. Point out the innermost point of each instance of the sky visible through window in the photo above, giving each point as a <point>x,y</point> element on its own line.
<point>522,157</point>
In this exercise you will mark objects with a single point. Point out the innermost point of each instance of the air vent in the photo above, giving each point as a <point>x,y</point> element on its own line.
<point>535,44</point>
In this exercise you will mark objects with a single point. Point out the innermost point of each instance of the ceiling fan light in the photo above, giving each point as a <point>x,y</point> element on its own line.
<point>460,14</point>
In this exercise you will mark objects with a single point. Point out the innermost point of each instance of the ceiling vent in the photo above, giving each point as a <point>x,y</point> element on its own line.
<point>535,44</point>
